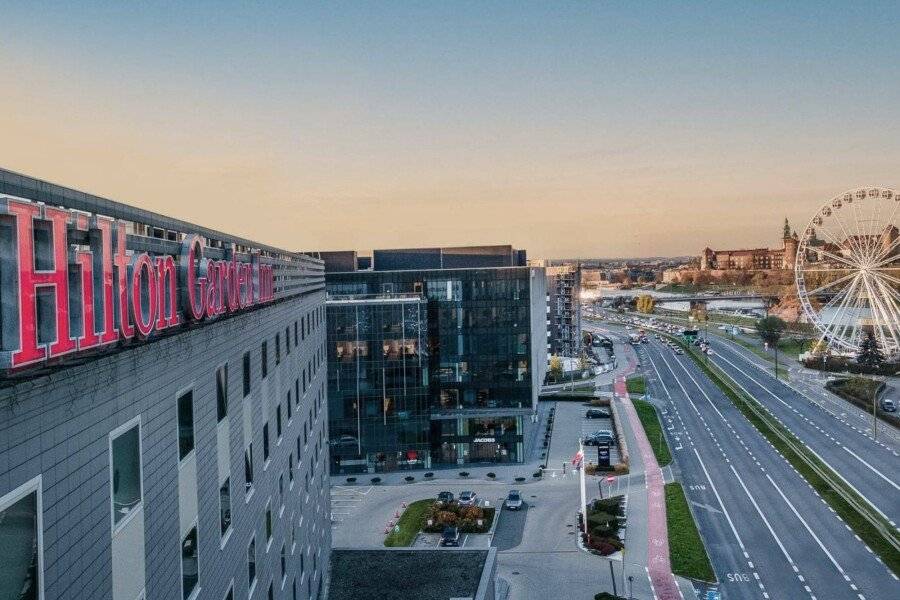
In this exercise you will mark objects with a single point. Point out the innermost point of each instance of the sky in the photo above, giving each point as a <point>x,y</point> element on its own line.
<point>569,129</point>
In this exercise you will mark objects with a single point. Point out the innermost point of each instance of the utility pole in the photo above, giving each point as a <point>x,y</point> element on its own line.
<point>874,414</point>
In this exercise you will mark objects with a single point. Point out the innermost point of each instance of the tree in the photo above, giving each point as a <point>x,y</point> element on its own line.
<point>870,353</point>
<point>770,330</point>
<point>645,303</point>
<point>556,368</point>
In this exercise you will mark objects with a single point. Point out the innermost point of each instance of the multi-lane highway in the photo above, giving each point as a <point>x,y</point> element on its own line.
<point>871,467</point>
<point>768,532</point>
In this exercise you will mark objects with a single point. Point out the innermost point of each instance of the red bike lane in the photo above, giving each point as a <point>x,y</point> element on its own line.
<point>660,570</point>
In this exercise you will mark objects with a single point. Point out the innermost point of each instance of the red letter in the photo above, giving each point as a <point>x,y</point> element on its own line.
<point>31,280</point>
<point>166,280</point>
<point>121,262</point>
<point>110,333</point>
<point>193,284</point>
<point>141,264</point>
<point>85,260</point>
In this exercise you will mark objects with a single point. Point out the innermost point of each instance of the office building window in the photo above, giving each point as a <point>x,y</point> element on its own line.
<point>246,374</point>
<point>251,563</point>
<point>271,592</point>
<point>287,405</point>
<point>189,573</point>
<point>248,468</point>
<point>296,338</point>
<point>20,543</point>
<point>264,356</point>
<point>265,442</point>
<point>185,424</point>
<point>222,392</point>
<point>225,506</point>
<point>283,562</point>
<point>269,528</point>
<point>230,594</point>
<point>287,340</point>
<point>126,472</point>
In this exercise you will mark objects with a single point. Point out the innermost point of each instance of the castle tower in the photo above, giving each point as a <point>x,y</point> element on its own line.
<point>791,242</point>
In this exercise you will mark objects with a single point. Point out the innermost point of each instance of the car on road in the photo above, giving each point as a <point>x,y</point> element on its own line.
<point>888,405</point>
<point>599,437</point>
<point>445,497</point>
<point>513,500</point>
<point>468,498</point>
<point>596,413</point>
<point>450,537</point>
<point>344,440</point>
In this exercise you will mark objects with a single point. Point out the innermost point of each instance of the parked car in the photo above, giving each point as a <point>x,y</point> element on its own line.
<point>598,437</point>
<point>888,405</point>
<point>468,498</point>
<point>513,500</point>
<point>450,537</point>
<point>679,351</point>
<point>445,497</point>
<point>596,413</point>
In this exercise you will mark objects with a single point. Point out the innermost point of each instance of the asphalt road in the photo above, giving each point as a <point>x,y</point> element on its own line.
<point>768,533</point>
<point>872,468</point>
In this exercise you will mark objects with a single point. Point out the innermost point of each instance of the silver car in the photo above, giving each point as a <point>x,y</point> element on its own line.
<point>513,500</point>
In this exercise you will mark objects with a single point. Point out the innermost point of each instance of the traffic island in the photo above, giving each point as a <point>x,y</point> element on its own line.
<point>653,428</point>
<point>686,550</point>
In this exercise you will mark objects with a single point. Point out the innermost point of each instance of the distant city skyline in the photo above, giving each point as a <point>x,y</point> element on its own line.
<point>570,130</point>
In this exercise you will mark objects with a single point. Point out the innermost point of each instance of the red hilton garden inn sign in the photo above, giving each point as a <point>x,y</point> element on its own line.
<point>67,284</point>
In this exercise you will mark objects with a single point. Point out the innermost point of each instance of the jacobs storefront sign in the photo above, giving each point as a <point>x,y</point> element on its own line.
<point>67,284</point>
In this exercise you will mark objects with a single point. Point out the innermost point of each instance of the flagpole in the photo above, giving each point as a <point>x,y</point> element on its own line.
<point>581,483</point>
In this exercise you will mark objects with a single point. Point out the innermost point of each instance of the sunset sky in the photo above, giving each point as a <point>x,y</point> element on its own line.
<point>582,129</point>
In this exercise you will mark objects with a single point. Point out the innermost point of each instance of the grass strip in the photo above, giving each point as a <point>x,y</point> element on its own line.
<point>810,467</point>
<point>636,385</point>
<point>653,428</point>
<point>686,550</point>
<point>411,523</point>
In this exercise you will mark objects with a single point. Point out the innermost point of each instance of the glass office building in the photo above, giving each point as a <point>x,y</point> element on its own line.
<point>378,381</point>
<point>483,353</point>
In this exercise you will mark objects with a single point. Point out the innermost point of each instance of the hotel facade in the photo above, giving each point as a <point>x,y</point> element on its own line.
<point>163,410</point>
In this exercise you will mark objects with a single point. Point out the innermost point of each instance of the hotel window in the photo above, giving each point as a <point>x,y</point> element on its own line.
<point>251,563</point>
<point>283,562</point>
<point>296,338</point>
<point>277,349</point>
<point>264,356</point>
<point>269,522</point>
<point>222,392</point>
<point>126,472</point>
<point>287,406</point>
<point>287,340</point>
<point>291,468</point>
<point>278,423</point>
<point>271,595</point>
<point>225,506</point>
<point>185,424</point>
<point>230,594</point>
<point>246,374</point>
<point>21,544</point>
<point>265,442</point>
<point>189,573</point>
<point>248,468</point>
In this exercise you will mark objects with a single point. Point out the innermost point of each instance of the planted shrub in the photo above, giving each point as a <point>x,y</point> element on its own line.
<point>409,478</point>
<point>520,479</point>
<point>463,473</point>
<point>351,480</point>
<point>491,475</point>
<point>537,474</point>
<point>375,480</point>
<point>429,475</point>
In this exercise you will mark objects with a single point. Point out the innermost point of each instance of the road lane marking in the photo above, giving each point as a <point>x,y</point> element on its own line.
<point>874,470</point>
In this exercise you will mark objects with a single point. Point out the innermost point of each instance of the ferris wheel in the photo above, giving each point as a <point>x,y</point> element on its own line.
<point>847,270</point>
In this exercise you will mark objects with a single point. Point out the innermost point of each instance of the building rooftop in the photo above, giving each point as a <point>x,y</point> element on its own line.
<point>403,574</point>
